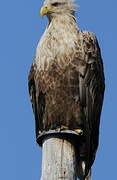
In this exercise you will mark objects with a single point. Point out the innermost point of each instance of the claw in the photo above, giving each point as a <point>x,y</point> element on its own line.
<point>62,128</point>
<point>58,129</point>
<point>79,131</point>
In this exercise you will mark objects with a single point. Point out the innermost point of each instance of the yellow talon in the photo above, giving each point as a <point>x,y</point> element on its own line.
<point>63,127</point>
<point>58,129</point>
<point>79,131</point>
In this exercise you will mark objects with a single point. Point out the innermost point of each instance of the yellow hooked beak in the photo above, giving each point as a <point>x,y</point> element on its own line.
<point>45,9</point>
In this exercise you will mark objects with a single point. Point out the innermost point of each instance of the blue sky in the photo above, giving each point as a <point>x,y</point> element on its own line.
<point>20,29</point>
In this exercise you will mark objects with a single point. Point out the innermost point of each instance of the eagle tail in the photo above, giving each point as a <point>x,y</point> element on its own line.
<point>82,171</point>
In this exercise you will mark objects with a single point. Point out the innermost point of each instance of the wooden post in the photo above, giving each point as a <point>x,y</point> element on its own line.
<point>58,160</point>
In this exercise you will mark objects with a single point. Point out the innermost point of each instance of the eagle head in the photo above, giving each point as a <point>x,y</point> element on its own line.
<point>52,8</point>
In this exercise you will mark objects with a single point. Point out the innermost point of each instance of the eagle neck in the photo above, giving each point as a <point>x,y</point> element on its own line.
<point>65,19</point>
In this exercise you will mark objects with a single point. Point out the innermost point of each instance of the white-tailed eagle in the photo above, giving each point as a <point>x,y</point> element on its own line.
<point>66,79</point>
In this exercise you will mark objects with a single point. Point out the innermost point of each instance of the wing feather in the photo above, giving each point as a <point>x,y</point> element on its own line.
<point>91,94</point>
<point>37,99</point>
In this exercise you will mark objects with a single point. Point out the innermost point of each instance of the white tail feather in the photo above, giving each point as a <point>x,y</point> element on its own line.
<point>81,171</point>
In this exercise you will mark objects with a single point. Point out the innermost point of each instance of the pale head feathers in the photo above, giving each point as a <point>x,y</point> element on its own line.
<point>59,1</point>
<point>51,8</point>
<point>60,37</point>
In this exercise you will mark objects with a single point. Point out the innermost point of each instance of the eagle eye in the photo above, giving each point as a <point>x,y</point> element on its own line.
<point>56,4</point>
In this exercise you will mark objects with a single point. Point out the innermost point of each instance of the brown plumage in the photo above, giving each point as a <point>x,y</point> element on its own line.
<point>66,80</point>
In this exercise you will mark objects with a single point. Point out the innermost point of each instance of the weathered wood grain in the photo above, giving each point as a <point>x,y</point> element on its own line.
<point>58,160</point>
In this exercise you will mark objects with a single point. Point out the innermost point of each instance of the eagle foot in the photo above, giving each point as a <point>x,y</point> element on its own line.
<point>62,128</point>
<point>79,131</point>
